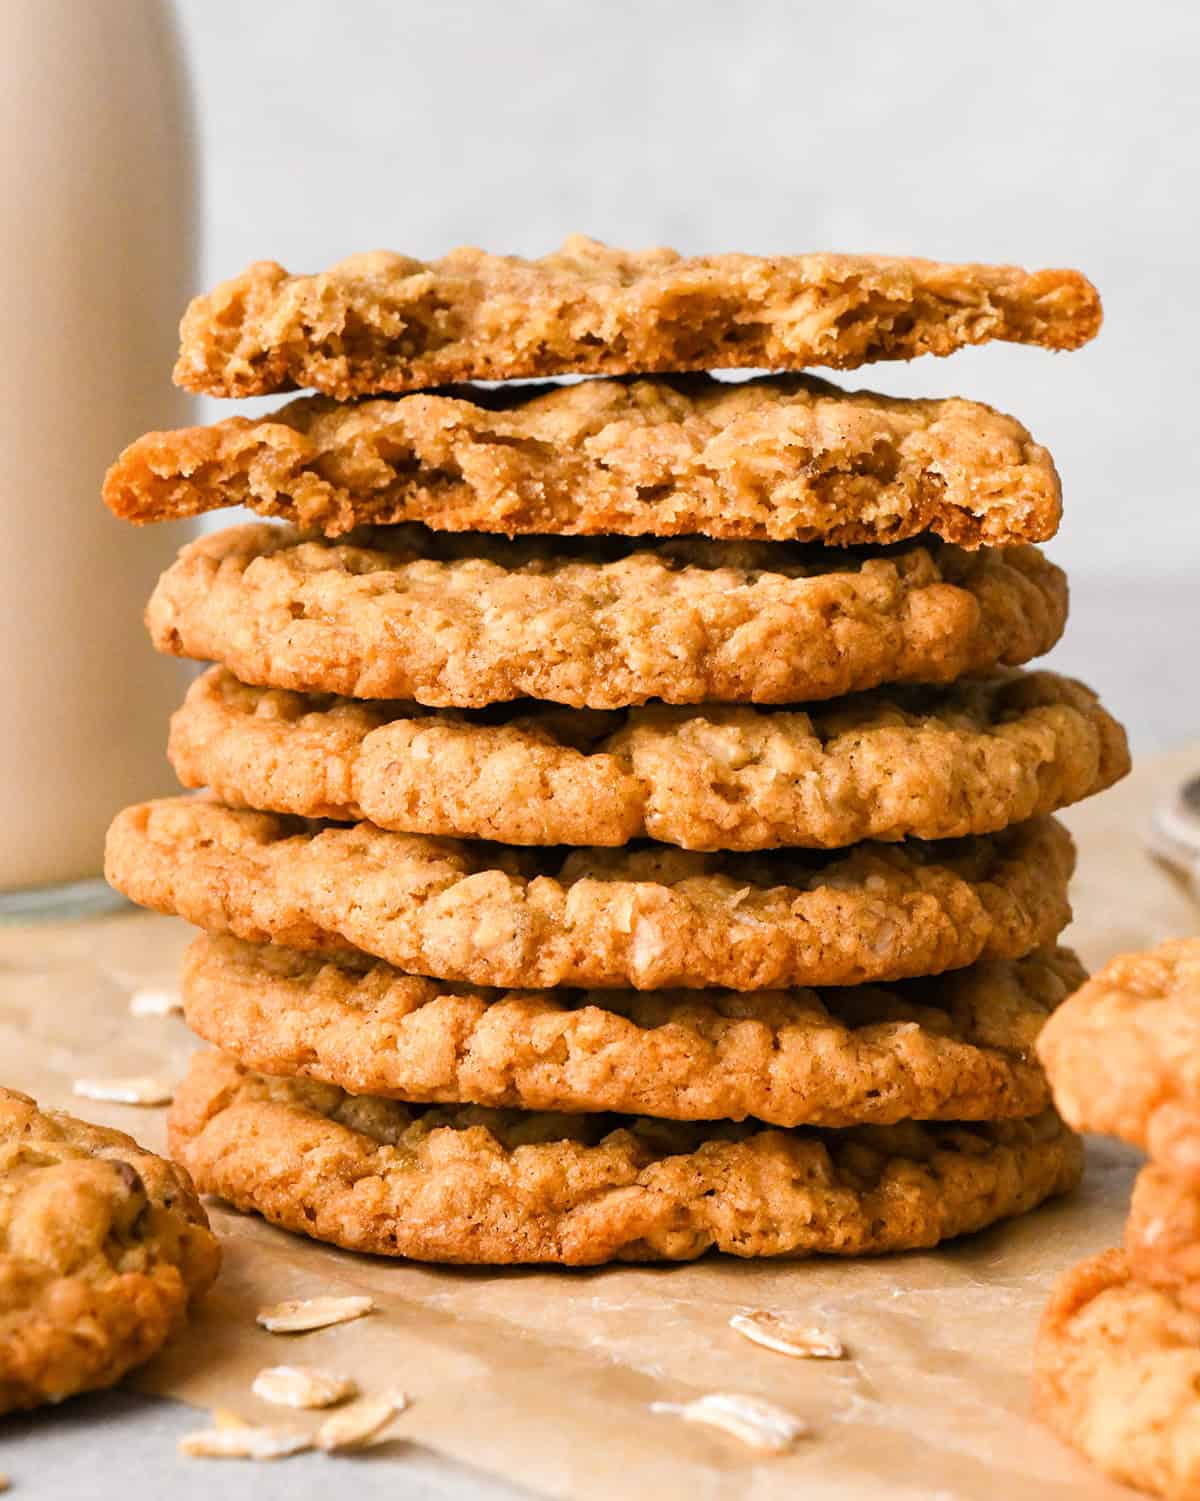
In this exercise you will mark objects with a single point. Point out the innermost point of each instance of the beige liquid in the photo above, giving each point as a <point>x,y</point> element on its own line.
<point>95,255</point>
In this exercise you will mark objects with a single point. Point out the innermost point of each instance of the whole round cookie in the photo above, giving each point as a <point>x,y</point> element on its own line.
<point>102,1247</point>
<point>647,917</point>
<point>896,763</point>
<point>780,457</point>
<point>387,322</point>
<point>1116,1372</point>
<point>467,1184</point>
<point>958,1046</point>
<point>602,623</point>
<point>1123,1054</point>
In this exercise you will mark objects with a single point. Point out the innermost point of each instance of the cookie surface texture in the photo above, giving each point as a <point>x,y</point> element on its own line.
<point>465,1184</point>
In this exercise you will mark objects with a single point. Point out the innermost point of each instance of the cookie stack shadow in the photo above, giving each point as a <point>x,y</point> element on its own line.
<point>629,827</point>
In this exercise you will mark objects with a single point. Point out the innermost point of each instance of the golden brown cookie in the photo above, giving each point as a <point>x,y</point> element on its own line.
<point>1116,1373</point>
<point>467,621</point>
<point>1124,1054</point>
<point>102,1247</point>
<point>781,457</point>
<point>932,763</point>
<point>387,322</point>
<point>1162,1237</point>
<point>648,917</point>
<point>955,1047</point>
<point>466,1184</point>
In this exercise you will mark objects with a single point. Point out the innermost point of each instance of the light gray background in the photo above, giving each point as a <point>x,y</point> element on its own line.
<point>1054,133</point>
<point>1047,133</point>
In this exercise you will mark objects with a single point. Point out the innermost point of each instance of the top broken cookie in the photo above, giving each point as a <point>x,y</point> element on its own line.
<point>384,322</point>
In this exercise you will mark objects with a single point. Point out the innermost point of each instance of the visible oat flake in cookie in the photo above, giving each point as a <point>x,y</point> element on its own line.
<point>603,623</point>
<point>958,1046</point>
<point>102,1247</point>
<point>929,763</point>
<point>464,1184</point>
<point>387,322</point>
<point>643,917</point>
<point>775,458</point>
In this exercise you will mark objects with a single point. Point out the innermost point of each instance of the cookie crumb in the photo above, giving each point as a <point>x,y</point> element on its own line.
<point>303,1386</point>
<point>142,1090</point>
<point>355,1426</point>
<point>298,1315</point>
<point>754,1421</point>
<point>787,1336</point>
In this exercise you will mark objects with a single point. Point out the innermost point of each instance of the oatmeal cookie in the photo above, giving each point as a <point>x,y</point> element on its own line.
<point>645,917</point>
<point>778,458</point>
<point>1124,1054</point>
<point>971,758</point>
<point>449,621</point>
<point>467,1184</point>
<point>386,322</point>
<point>1116,1372</point>
<point>958,1046</point>
<point>1162,1237</point>
<point>102,1247</point>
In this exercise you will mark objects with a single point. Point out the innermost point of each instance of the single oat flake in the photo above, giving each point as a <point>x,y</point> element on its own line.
<point>155,1001</point>
<point>355,1426</point>
<point>787,1336</point>
<point>298,1315</point>
<point>132,1091</point>
<point>303,1386</point>
<point>757,1423</point>
<point>244,1441</point>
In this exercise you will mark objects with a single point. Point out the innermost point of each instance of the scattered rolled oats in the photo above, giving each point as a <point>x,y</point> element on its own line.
<point>244,1441</point>
<point>155,1001</point>
<point>777,1331</point>
<point>756,1422</point>
<point>133,1091</point>
<point>355,1426</point>
<point>303,1386</point>
<point>298,1315</point>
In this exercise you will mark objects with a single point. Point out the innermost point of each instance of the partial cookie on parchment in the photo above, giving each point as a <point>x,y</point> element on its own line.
<point>386,322</point>
<point>1124,1054</point>
<point>898,763</point>
<point>1116,1372</point>
<point>780,457</point>
<point>102,1248</point>
<point>957,1046</point>
<point>466,621</point>
<point>646,917</point>
<point>466,1184</point>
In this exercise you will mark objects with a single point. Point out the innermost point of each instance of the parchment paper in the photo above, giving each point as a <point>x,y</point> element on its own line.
<point>546,1377</point>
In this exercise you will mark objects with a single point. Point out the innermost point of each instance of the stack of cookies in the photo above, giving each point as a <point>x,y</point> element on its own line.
<point>629,830</point>
<point>1118,1356</point>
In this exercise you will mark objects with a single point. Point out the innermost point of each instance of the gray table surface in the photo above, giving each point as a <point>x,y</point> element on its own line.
<point>1135,638</point>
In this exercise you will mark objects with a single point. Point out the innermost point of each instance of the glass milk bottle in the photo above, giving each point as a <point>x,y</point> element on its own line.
<point>96,242</point>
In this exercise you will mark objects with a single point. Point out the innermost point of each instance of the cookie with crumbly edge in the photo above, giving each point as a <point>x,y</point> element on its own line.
<point>1116,1372</point>
<point>1124,1054</point>
<point>1162,1235</point>
<point>102,1248</point>
<point>957,1046</point>
<point>777,458</point>
<point>386,322</point>
<point>467,621</point>
<point>643,917</point>
<point>467,1184</point>
<point>897,763</point>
